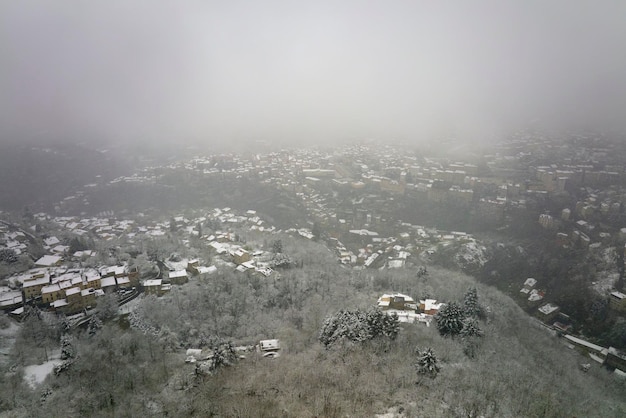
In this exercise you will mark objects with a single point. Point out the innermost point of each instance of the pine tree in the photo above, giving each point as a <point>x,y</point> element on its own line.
<point>358,326</point>
<point>94,325</point>
<point>470,303</point>
<point>427,363</point>
<point>277,246</point>
<point>470,328</point>
<point>449,319</point>
<point>67,348</point>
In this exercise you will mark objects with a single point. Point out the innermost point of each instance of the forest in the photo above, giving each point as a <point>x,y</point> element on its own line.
<point>134,364</point>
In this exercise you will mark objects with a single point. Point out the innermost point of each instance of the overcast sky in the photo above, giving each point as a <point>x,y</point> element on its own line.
<point>307,70</point>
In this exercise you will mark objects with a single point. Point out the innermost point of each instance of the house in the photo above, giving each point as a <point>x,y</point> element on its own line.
<point>240,256</point>
<point>396,301</point>
<point>49,261</point>
<point>51,241</point>
<point>617,301</point>
<point>123,282</point>
<point>535,297</point>
<point>192,266</point>
<point>51,293</point>
<point>10,300</point>
<point>108,284</point>
<point>616,359</point>
<point>155,287</point>
<point>178,277</point>
<point>93,281</point>
<point>74,299</point>
<point>116,271</point>
<point>548,312</point>
<point>32,287</point>
<point>430,306</point>
<point>269,348</point>
<point>88,298</point>
<point>60,305</point>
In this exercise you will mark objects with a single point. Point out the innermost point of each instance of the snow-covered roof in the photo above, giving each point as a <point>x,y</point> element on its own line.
<point>59,303</point>
<point>431,304</point>
<point>530,282</point>
<point>36,282</point>
<point>72,291</point>
<point>108,281</point>
<point>269,344</point>
<point>51,288</point>
<point>177,273</point>
<point>548,308</point>
<point>123,280</point>
<point>207,270</point>
<point>48,260</point>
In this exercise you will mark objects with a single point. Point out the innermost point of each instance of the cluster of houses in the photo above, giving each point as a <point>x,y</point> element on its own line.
<point>12,240</point>
<point>68,290</point>
<point>62,288</point>
<point>407,310</point>
<point>551,314</point>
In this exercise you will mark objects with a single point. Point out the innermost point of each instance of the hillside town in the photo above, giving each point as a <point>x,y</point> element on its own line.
<point>362,201</point>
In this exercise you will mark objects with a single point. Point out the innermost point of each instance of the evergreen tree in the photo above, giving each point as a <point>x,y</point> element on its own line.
<point>277,246</point>
<point>358,326</point>
<point>67,348</point>
<point>449,319</point>
<point>383,325</point>
<point>470,328</point>
<point>94,325</point>
<point>427,363</point>
<point>471,307</point>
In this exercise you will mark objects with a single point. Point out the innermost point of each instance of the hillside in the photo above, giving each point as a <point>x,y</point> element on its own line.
<point>135,366</point>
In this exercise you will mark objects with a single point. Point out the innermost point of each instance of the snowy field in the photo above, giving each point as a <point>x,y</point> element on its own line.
<point>36,374</point>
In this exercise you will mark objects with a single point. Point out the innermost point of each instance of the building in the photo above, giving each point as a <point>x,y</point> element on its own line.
<point>51,293</point>
<point>155,287</point>
<point>32,287</point>
<point>396,301</point>
<point>430,306</point>
<point>548,312</point>
<point>240,256</point>
<point>74,299</point>
<point>49,261</point>
<point>269,348</point>
<point>617,301</point>
<point>178,277</point>
<point>616,359</point>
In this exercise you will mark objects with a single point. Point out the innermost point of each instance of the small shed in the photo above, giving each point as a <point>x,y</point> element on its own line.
<point>269,345</point>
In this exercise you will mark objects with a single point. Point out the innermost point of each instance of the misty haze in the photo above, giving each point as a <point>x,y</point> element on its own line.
<point>312,209</point>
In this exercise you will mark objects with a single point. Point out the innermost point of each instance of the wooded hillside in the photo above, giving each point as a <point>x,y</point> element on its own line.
<point>135,365</point>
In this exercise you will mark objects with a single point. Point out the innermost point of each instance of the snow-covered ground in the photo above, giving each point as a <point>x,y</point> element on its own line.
<point>36,374</point>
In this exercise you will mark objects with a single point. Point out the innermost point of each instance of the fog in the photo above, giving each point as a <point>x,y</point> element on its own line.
<point>307,72</point>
